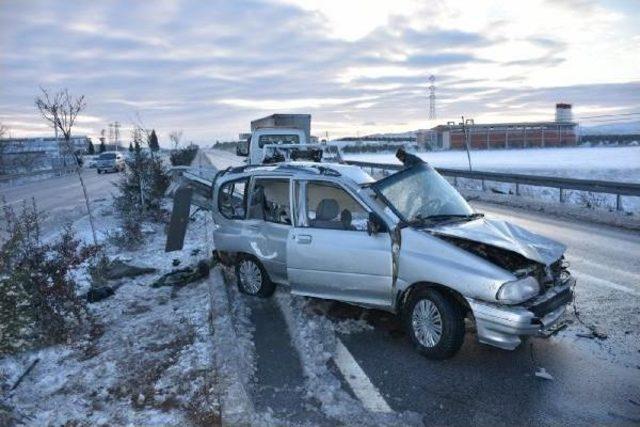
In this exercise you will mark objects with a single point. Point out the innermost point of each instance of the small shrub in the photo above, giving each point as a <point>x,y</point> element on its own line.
<point>183,156</point>
<point>38,300</point>
<point>140,193</point>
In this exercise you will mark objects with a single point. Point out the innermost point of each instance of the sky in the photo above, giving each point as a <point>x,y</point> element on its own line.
<point>358,66</point>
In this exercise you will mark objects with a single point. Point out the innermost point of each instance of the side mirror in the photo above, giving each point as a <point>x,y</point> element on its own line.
<point>242,150</point>
<point>375,224</point>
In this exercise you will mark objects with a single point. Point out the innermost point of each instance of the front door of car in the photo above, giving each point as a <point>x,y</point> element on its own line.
<point>329,252</point>
<point>269,224</point>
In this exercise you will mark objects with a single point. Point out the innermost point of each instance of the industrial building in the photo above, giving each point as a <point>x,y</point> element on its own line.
<point>558,133</point>
<point>20,154</point>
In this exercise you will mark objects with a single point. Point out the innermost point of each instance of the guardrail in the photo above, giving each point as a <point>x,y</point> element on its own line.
<point>619,189</point>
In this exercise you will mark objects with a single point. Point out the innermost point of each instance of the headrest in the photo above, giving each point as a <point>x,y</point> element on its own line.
<point>327,210</point>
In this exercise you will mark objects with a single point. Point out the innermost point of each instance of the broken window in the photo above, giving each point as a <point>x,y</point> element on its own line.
<point>278,140</point>
<point>270,201</point>
<point>232,201</point>
<point>331,207</point>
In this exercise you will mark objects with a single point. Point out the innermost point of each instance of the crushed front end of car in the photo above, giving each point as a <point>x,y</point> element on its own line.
<point>535,300</point>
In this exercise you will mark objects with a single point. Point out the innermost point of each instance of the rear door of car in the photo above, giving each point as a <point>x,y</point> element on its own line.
<point>329,252</point>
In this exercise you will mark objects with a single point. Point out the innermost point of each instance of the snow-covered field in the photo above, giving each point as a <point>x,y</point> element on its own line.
<point>603,163</point>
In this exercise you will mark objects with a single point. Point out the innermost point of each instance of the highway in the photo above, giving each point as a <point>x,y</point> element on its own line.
<point>60,197</point>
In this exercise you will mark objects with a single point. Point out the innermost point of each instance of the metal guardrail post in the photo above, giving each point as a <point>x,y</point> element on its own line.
<point>561,195</point>
<point>618,202</point>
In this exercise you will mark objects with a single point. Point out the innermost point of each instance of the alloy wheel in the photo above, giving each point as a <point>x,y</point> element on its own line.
<point>427,323</point>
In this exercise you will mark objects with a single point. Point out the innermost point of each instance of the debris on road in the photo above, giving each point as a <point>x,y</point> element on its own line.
<point>542,373</point>
<point>555,330</point>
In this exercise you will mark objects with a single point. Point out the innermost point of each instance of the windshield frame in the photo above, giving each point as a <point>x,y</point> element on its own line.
<point>398,176</point>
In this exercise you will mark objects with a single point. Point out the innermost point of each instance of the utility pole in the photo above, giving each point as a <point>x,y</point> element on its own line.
<point>116,131</point>
<point>432,97</point>
<point>465,131</point>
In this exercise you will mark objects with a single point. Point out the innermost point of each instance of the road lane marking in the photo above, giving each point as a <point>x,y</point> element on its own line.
<point>602,282</point>
<point>358,380</point>
<point>578,260</point>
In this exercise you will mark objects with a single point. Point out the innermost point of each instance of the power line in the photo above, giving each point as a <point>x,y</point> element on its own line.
<point>609,115</point>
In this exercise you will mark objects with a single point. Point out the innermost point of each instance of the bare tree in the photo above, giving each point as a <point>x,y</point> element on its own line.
<point>175,137</point>
<point>61,111</point>
<point>3,130</point>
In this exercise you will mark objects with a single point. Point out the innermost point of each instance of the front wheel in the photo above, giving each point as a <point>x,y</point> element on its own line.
<point>434,323</point>
<point>253,279</point>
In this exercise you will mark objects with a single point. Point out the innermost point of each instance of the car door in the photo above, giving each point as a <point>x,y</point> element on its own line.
<point>329,252</point>
<point>269,219</point>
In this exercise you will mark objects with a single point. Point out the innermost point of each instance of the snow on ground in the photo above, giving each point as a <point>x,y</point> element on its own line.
<point>604,163</point>
<point>152,363</point>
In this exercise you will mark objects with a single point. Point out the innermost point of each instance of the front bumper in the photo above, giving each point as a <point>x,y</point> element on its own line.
<point>503,325</point>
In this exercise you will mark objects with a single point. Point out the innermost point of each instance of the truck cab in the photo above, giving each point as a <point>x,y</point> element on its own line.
<point>272,131</point>
<point>254,147</point>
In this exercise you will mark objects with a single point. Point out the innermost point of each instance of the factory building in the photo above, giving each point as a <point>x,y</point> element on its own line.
<point>558,133</point>
<point>28,154</point>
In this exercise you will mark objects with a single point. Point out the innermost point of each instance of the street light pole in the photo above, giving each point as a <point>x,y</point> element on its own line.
<point>465,132</point>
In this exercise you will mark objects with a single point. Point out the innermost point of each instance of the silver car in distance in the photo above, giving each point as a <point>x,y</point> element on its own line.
<point>408,244</point>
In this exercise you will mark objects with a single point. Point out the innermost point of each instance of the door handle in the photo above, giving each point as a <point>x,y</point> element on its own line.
<point>303,239</point>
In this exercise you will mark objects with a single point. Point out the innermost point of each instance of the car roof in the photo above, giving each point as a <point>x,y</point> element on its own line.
<point>302,169</point>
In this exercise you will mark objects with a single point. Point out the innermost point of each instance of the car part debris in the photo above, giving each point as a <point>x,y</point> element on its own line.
<point>542,373</point>
<point>593,331</point>
<point>183,276</point>
<point>118,269</point>
<point>25,373</point>
<point>179,219</point>
<point>553,331</point>
<point>99,293</point>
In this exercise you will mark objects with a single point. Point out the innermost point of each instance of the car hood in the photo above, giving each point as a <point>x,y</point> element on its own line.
<point>505,235</point>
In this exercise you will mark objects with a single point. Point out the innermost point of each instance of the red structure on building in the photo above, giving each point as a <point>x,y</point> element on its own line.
<point>559,133</point>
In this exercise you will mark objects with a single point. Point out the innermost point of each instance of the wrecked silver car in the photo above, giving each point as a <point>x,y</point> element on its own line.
<point>408,243</point>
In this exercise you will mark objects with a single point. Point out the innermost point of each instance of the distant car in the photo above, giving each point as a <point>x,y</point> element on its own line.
<point>408,243</point>
<point>92,162</point>
<point>110,161</point>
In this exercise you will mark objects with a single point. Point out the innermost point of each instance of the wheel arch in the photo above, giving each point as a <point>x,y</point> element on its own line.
<point>448,292</point>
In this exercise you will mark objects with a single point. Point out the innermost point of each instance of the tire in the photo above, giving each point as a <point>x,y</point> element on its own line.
<point>253,278</point>
<point>427,306</point>
<point>98,170</point>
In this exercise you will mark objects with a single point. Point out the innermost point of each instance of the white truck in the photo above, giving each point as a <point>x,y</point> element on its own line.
<point>281,137</point>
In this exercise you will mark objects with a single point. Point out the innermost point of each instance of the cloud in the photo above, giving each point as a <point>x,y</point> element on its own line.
<point>211,67</point>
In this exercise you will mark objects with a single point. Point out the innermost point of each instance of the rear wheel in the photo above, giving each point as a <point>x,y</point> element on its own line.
<point>98,171</point>
<point>252,278</point>
<point>434,323</point>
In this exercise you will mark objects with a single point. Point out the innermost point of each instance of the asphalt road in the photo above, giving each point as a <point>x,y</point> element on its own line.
<point>595,381</point>
<point>61,197</point>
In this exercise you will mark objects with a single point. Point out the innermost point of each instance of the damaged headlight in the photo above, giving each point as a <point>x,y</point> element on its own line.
<point>518,291</point>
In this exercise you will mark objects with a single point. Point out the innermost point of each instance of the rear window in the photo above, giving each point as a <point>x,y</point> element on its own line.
<point>107,156</point>
<point>278,140</point>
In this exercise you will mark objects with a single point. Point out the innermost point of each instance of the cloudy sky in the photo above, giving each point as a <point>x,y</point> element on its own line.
<point>358,66</point>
